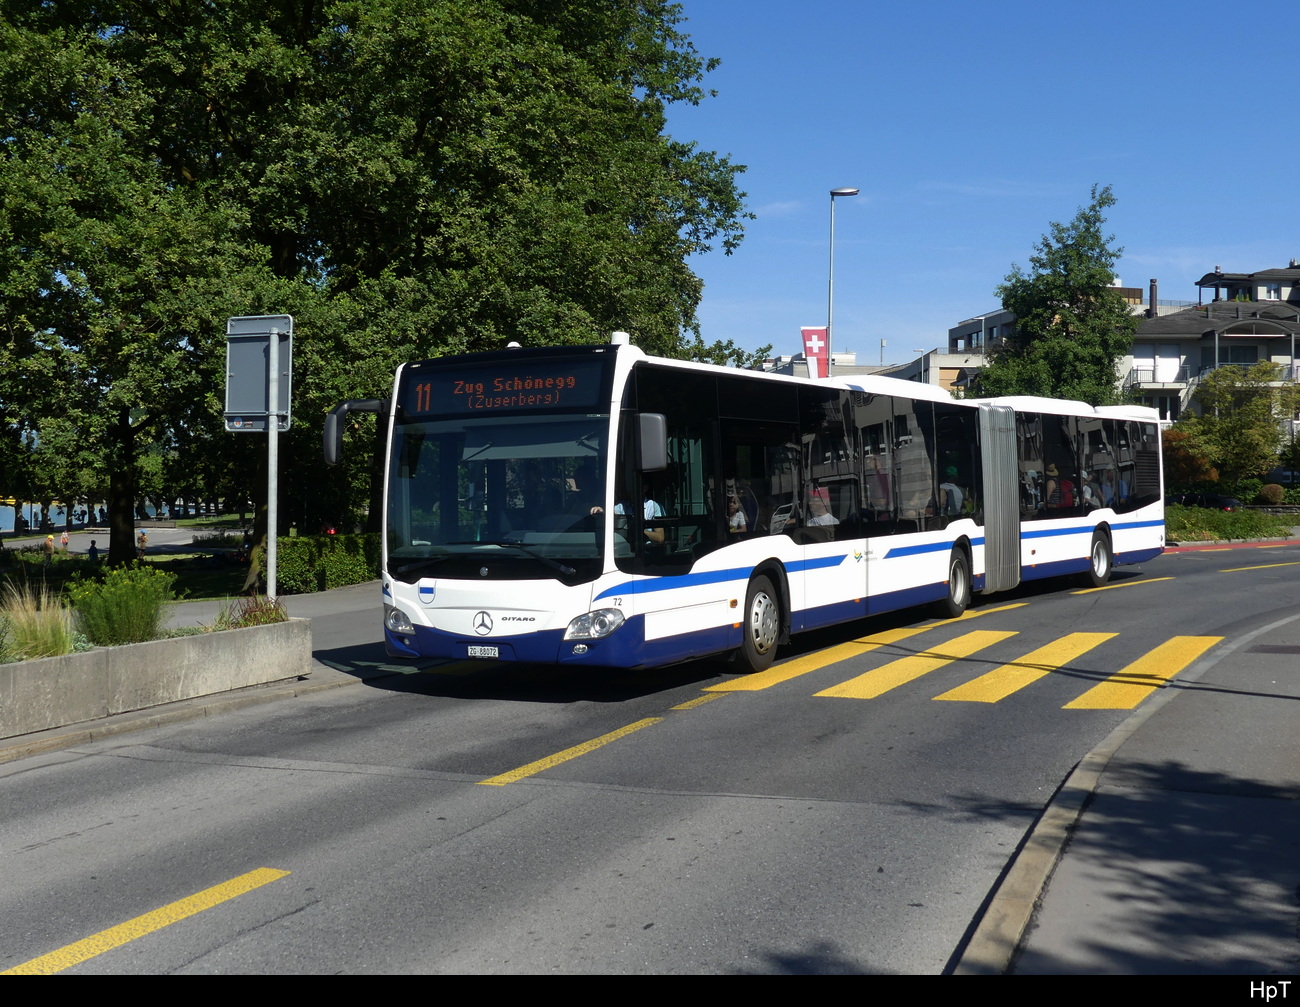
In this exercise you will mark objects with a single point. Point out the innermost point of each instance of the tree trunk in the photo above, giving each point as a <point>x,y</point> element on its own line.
<point>121,490</point>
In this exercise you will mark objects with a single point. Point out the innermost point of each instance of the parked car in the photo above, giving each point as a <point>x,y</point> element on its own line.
<point>1215,501</point>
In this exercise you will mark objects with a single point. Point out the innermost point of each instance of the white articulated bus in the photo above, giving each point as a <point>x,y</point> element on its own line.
<point>596,506</point>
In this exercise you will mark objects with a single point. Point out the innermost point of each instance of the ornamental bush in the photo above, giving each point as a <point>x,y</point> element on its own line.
<point>126,606</point>
<point>1270,494</point>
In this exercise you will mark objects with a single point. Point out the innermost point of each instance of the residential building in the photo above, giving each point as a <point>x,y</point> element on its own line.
<point>1253,317</point>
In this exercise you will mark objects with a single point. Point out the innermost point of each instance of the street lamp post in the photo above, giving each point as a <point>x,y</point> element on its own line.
<point>830,289</point>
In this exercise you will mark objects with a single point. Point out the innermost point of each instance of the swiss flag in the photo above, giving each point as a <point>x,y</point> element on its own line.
<point>816,350</point>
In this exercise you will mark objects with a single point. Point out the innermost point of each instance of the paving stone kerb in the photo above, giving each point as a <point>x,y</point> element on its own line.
<point>58,691</point>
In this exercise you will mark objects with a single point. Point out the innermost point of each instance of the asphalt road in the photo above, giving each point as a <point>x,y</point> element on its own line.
<point>848,812</point>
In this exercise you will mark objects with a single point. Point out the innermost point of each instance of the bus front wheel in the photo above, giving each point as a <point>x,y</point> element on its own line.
<point>959,585</point>
<point>1100,560</point>
<point>762,625</point>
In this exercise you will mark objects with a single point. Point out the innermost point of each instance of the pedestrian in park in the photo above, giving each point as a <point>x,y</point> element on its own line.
<point>93,552</point>
<point>63,540</point>
<point>49,549</point>
<point>141,543</point>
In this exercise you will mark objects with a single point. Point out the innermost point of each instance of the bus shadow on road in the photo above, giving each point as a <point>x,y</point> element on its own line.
<point>522,682</point>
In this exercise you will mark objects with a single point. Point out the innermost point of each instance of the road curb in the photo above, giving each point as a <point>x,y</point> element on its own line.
<point>992,948</point>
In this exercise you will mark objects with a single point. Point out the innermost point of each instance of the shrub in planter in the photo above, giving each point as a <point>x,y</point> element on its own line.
<point>33,624</point>
<point>253,611</point>
<point>127,606</point>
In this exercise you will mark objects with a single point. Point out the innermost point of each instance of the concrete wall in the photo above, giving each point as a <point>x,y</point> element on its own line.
<point>57,691</point>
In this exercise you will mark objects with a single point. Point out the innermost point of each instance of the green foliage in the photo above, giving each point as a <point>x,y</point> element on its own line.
<point>1205,524</point>
<point>36,624</point>
<point>126,606</point>
<point>1070,325</point>
<point>1187,457</point>
<point>1246,490</point>
<point>407,180</point>
<point>321,562</point>
<point>242,613</point>
<point>1241,416</point>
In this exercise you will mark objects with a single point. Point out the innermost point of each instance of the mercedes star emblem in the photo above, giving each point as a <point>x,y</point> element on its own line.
<point>482,623</point>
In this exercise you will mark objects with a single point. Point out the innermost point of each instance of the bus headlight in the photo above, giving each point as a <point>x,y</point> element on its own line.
<point>396,620</point>
<point>594,625</point>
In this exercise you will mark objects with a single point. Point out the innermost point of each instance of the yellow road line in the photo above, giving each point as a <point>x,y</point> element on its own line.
<point>106,940</point>
<point>842,652</point>
<point>691,704</point>
<point>569,753</point>
<point>907,669</point>
<point>1001,682</point>
<point>1263,566</point>
<point>1133,683</point>
<point>1127,583</point>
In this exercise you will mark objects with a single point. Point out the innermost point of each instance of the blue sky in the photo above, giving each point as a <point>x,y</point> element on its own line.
<point>968,128</point>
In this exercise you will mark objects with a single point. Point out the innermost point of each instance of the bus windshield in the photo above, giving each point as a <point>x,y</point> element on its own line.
<point>498,497</point>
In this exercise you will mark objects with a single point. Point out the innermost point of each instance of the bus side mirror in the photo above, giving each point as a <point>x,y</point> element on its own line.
<point>332,441</point>
<point>654,442</point>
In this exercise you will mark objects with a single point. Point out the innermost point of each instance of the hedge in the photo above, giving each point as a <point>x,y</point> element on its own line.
<point>310,563</point>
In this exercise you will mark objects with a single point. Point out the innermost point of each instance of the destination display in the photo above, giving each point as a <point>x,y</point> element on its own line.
<point>502,387</point>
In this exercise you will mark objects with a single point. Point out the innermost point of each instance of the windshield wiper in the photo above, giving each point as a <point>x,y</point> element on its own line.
<point>568,571</point>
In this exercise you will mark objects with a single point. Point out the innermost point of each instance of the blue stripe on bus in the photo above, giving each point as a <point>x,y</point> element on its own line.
<point>916,550</point>
<point>1054,532</point>
<point>1076,530</point>
<point>686,580</point>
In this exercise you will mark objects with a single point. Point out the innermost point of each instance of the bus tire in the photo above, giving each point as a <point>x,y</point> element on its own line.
<point>1101,560</point>
<point>959,585</point>
<point>762,625</point>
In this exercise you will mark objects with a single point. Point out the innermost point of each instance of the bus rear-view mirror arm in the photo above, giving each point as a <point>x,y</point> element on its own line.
<point>333,438</point>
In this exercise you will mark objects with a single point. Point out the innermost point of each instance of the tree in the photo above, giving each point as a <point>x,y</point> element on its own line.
<point>1071,325</point>
<point>1242,412</point>
<point>1186,457</point>
<point>406,179</point>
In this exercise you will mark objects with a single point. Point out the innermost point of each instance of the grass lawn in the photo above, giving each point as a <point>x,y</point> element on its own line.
<point>225,522</point>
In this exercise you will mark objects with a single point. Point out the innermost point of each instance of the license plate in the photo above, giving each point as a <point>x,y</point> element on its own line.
<point>484,652</point>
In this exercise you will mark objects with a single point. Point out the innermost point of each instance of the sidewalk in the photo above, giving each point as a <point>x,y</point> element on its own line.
<point>1174,847</point>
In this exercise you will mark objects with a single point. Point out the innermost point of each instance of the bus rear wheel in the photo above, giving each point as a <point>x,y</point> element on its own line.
<point>959,585</point>
<point>762,625</point>
<point>1100,560</point>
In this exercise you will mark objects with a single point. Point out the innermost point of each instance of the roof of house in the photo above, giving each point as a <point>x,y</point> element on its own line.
<point>1218,279</point>
<point>1277,317</point>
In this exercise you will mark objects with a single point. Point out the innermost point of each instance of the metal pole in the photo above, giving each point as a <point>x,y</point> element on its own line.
<point>830,286</point>
<point>272,462</point>
<point>830,295</point>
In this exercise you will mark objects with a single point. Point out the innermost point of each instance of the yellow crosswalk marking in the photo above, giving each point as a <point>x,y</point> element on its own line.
<point>1002,682</point>
<point>907,669</point>
<point>1133,683</point>
<point>811,662</point>
<point>833,655</point>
